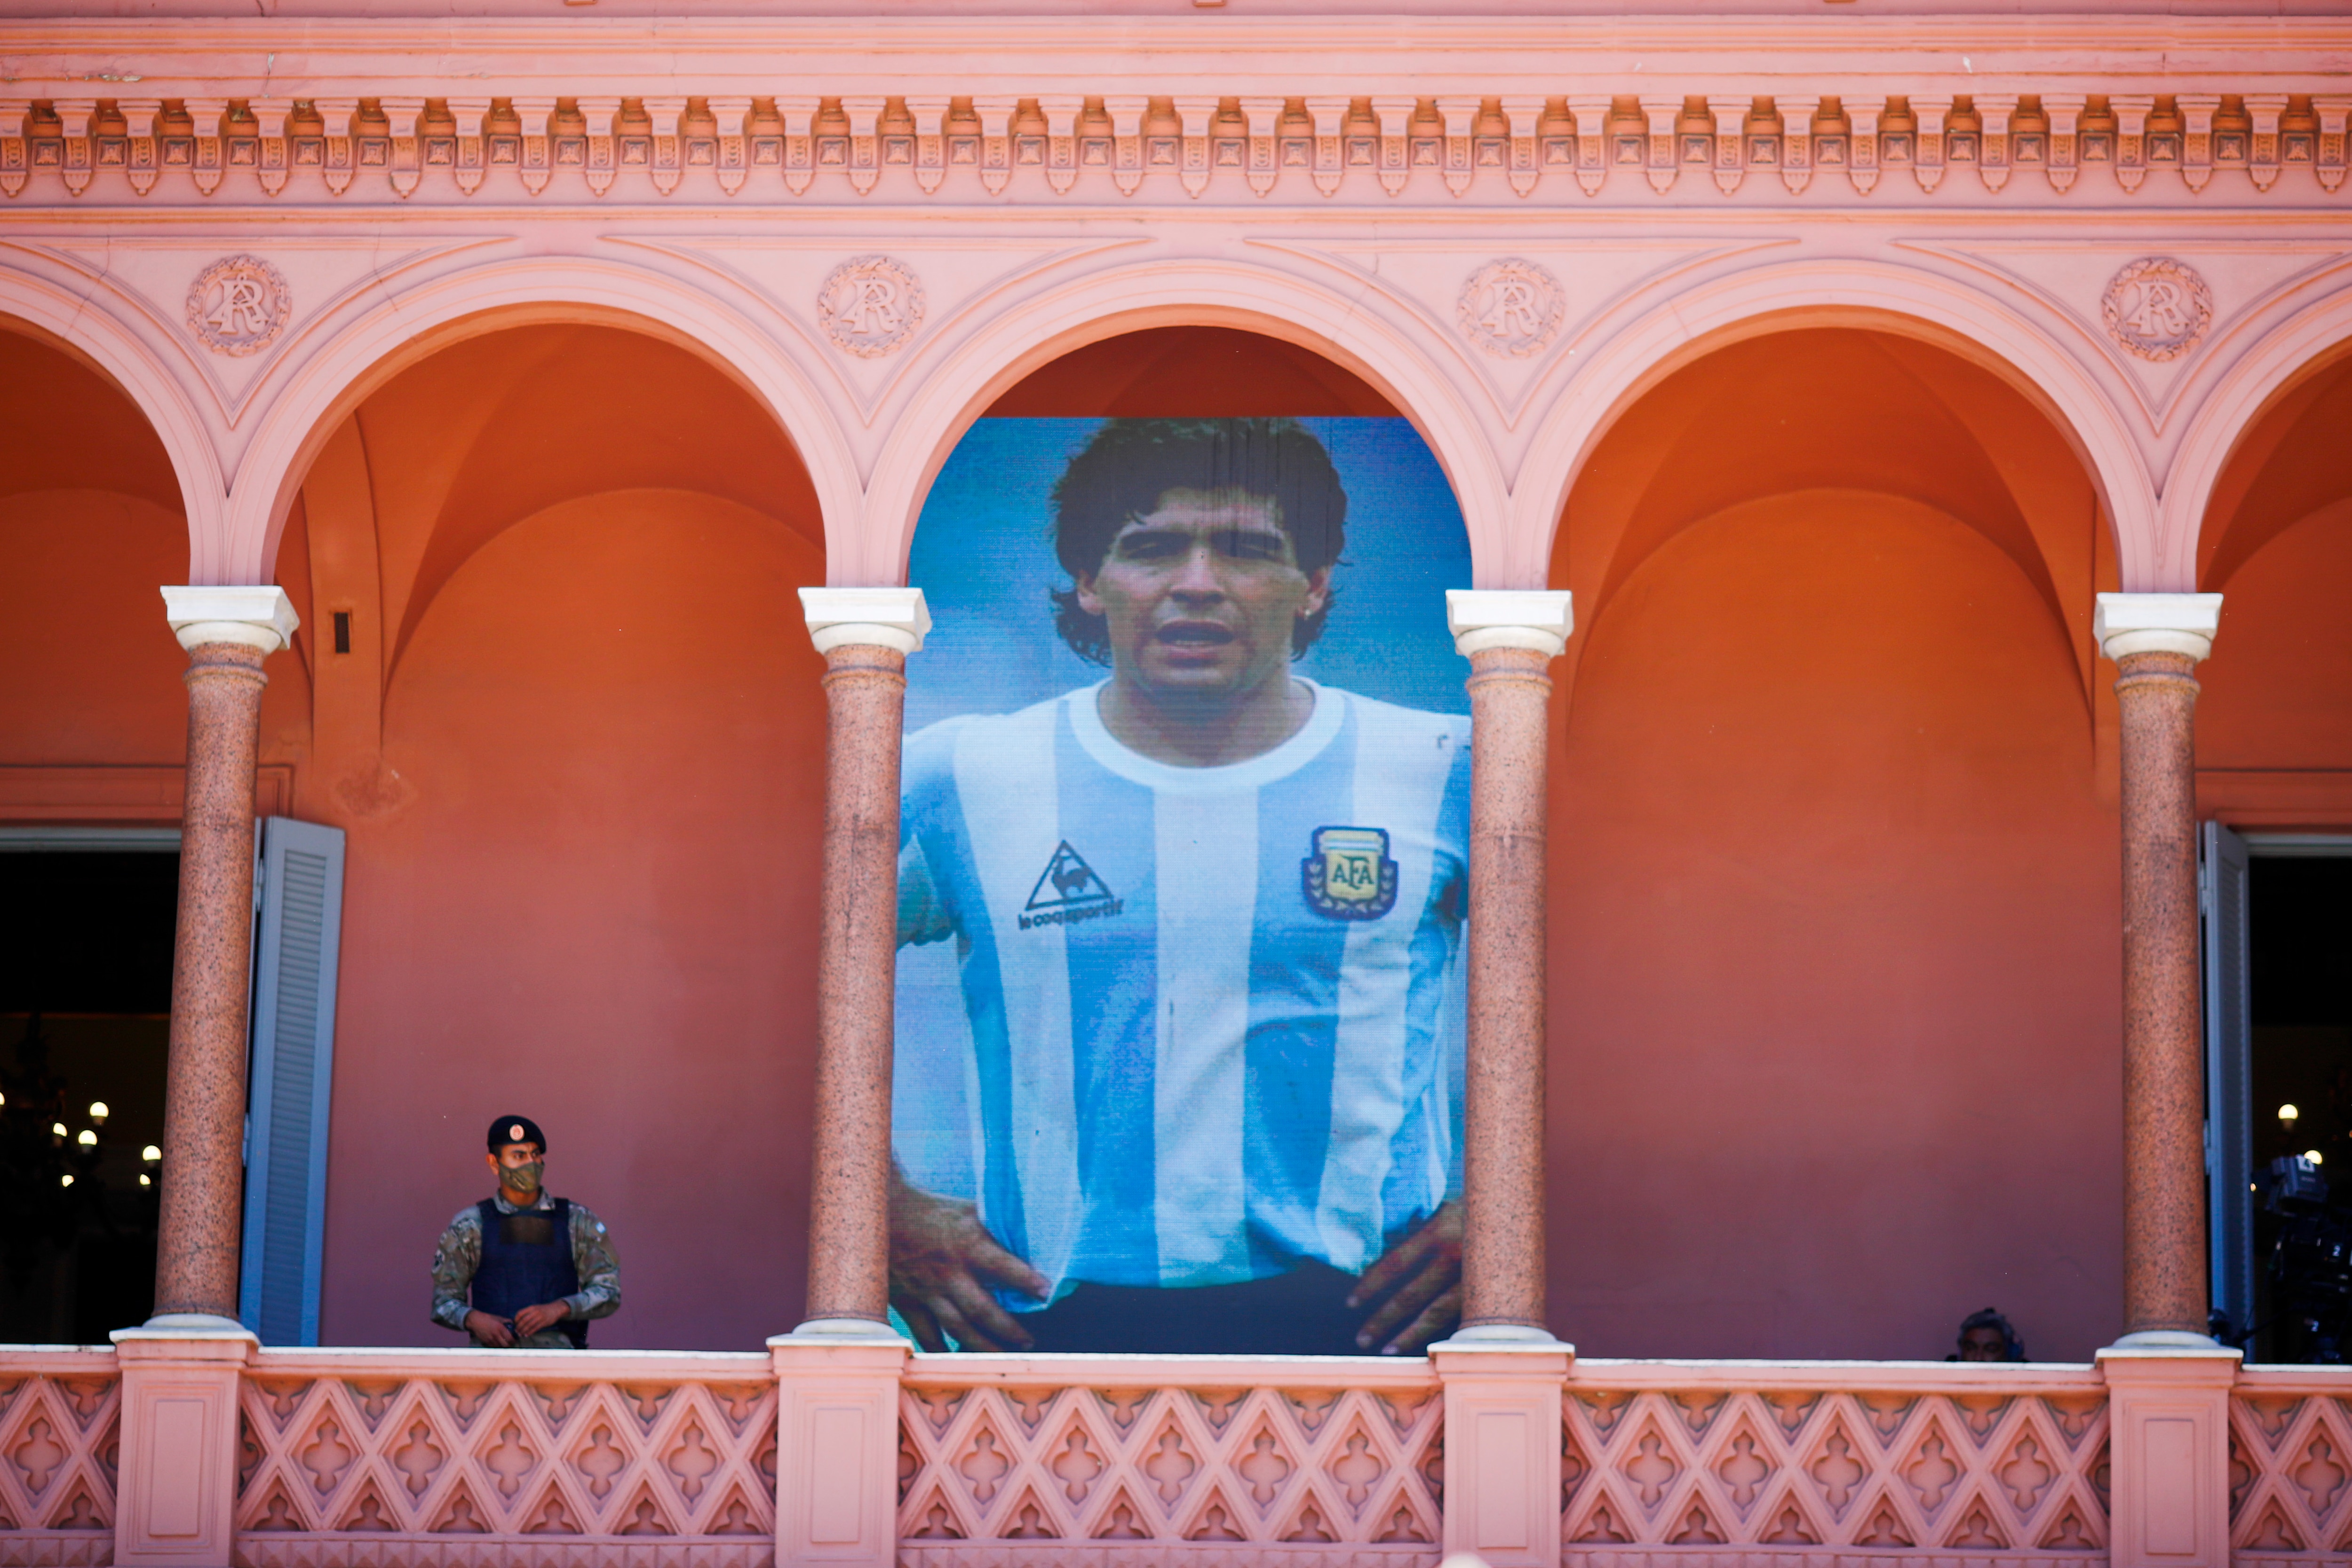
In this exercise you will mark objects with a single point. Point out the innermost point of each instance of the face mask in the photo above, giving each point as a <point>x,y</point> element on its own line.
<point>521,1178</point>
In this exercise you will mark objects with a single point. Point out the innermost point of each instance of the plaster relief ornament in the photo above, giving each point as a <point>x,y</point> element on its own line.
<point>871,306</point>
<point>1512,306</point>
<point>239,305</point>
<point>2157,308</point>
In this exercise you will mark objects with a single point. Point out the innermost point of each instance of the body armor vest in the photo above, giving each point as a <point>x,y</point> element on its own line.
<point>527,1260</point>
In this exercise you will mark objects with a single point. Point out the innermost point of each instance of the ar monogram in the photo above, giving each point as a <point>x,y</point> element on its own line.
<point>239,305</point>
<point>871,306</point>
<point>1511,306</point>
<point>2157,308</point>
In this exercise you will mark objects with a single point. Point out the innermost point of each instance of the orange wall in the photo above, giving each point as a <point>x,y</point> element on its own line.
<point>1834,931</point>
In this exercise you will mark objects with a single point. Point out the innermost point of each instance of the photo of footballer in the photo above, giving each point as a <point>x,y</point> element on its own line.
<point>1192,1082</point>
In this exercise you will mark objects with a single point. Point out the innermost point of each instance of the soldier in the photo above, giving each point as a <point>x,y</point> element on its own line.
<point>536,1268</point>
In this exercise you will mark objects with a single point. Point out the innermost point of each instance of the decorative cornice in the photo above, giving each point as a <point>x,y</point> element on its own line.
<point>1646,132</point>
<point>2093,36</point>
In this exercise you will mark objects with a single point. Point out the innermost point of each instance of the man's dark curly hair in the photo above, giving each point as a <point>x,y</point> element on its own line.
<point>1131,463</point>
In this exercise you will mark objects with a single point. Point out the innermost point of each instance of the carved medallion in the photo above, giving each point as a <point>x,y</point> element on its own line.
<point>871,306</point>
<point>239,305</point>
<point>1512,306</point>
<point>2157,308</point>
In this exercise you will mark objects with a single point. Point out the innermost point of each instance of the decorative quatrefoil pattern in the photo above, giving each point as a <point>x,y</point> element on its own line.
<point>59,1437</point>
<point>2290,1473</point>
<point>338,1471</point>
<point>1331,1478</point>
<point>1819,1477</point>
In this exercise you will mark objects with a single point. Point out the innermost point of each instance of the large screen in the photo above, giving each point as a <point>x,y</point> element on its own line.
<point>1183,880</point>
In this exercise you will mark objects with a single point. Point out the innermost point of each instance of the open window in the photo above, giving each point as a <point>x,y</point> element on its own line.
<point>2277,912</point>
<point>86,934</point>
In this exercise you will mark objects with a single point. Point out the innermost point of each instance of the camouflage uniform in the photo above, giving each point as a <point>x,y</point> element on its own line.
<point>459,1253</point>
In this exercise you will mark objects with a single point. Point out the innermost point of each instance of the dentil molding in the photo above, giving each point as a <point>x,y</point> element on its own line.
<point>1642,135</point>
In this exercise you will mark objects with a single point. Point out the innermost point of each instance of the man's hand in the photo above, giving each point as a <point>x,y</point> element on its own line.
<point>1421,1277</point>
<point>490,1331</point>
<point>545,1315</point>
<point>942,1260</point>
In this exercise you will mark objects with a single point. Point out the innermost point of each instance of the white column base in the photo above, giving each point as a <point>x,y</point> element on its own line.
<point>1502,1448</point>
<point>257,617</point>
<point>175,1501</point>
<point>2168,1444</point>
<point>1537,619</point>
<point>2127,624</point>
<point>837,1446</point>
<point>878,617</point>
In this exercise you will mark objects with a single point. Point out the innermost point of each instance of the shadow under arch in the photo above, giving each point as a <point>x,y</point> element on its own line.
<point>459,446</point>
<point>1812,409</point>
<point>75,326</point>
<point>1899,301</point>
<point>2285,465</point>
<point>1022,339</point>
<point>397,333</point>
<point>2237,427</point>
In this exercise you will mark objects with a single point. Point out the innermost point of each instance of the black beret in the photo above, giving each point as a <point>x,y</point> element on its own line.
<point>516,1130</point>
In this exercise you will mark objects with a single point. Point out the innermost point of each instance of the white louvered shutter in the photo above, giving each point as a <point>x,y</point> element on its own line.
<point>2221,883</point>
<point>301,899</point>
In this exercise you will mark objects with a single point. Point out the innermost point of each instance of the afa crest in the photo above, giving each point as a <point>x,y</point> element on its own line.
<point>1349,875</point>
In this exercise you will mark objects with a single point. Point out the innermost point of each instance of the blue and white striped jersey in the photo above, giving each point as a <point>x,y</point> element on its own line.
<point>1214,1011</point>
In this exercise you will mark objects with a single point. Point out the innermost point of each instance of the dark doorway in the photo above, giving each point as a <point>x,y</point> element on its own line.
<point>85,998</point>
<point>2299,951</point>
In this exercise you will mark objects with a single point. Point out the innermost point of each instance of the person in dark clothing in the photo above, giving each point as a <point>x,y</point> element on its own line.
<point>522,1269</point>
<point>1987,1336</point>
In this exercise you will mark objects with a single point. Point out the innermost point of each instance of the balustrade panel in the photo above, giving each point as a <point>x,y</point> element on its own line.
<point>60,1442</point>
<point>1834,1463</point>
<point>1103,1461</point>
<point>382,1458</point>
<point>2291,1466</point>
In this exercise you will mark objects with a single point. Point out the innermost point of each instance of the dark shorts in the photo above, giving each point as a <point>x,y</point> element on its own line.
<point>1303,1312</point>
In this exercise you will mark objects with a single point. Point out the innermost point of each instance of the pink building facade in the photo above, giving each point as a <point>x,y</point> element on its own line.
<point>1901,451</point>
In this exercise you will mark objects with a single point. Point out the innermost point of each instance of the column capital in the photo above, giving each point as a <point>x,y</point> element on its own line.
<point>885,617</point>
<point>258,616</point>
<point>1534,618</point>
<point>2127,624</point>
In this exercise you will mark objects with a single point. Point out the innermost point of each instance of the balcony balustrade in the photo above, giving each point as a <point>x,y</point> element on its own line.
<point>378,1459</point>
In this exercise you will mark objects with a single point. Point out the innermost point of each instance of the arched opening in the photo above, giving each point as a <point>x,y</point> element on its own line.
<point>571,724</point>
<point>93,728</point>
<point>1835,1009</point>
<point>1184,849</point>
<point>2274,765</point>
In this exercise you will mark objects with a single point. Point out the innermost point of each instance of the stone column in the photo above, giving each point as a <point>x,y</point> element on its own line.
<point>1509,638</point>
<point>2156,641</point>
<point>227,632</point>
<point>1502,1371</point>
<point>865,634</point>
